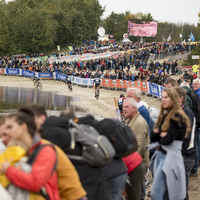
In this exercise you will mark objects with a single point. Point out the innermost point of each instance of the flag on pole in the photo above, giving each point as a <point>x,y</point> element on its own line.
<point>169,38</point>
<point>180,35</point>
<point>192,37</point>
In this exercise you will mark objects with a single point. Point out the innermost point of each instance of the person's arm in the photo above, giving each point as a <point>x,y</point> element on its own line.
<point>40,174</point>
<point>173,131</point>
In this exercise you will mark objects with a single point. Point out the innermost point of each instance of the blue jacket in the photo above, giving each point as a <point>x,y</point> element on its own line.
<point>197,92</point>
<point>145,114</point>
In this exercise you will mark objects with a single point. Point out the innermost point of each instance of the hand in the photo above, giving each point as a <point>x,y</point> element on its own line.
<point>163,134</point>
<point>5,165</point>
<point>156,130</point>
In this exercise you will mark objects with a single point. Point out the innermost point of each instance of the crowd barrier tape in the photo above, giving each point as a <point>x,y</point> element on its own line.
<point>146,87</point>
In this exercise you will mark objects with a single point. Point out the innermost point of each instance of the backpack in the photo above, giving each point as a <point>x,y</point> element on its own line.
<point>97,149</point>
<point>196,108</point>
<point>120,135</point>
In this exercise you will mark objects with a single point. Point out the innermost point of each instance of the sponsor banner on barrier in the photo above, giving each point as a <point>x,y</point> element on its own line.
<point>154,89</point>
<point>1,71</point>
<point>133,84</point>
<point>54,75</point>
<point>11,71</point>
<point>144,87</point>
<point>27,73</point>
<point>61,77</point>
<point>92,80</point>
<point>160,90</point>
<point>45,75</point>
<point>78,81</point>
<point>85,81</point>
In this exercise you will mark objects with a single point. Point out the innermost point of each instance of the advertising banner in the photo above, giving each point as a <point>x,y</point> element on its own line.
<point>45,75</point>
<point>78,81</point>
<point>86,81</point>
<point>160,90</point>
<point>144,87</point>
<point>11,71</point>
<point>142,28</point>
<point>27,73</point>
<point>61,77</point>
<point>154,89</point>
<point>1,71</point>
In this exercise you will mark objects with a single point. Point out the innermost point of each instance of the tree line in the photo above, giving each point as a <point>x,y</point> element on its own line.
<point>35,26</point>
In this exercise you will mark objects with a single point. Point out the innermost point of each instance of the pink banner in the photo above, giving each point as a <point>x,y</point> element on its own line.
<point>142,28</point>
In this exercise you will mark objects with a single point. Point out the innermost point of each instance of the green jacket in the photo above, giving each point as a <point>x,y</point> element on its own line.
<point>188,102</point>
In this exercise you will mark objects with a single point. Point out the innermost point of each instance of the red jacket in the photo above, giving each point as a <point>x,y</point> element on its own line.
<point>132,161</point>
<point>40,174</point>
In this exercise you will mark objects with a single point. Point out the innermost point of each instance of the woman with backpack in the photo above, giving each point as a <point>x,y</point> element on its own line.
<point>168,167</point>
<point>21,126</point>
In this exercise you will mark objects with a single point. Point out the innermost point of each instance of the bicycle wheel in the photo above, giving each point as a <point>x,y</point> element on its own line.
<point>35,84</point>
<point>40,85</point>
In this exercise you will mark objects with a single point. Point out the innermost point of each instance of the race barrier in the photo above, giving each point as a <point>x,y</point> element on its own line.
<point>83,57</point>
<point>116,84</point>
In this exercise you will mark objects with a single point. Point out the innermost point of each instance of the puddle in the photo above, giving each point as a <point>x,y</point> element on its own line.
<point>11,98</point>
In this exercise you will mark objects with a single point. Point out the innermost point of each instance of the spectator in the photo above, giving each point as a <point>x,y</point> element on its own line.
<point>171,83</point>
<point>162,78</point>
<point>170,129</point>
<point>136,168</point>
<point>188,148</point>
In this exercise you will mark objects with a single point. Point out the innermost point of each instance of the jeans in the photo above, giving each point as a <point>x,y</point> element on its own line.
<point>159,188</point>
<point>196,164</point>
<point>189,163</point>
<point>116,186</point>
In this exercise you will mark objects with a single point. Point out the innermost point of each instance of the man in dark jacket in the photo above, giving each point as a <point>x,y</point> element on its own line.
<point>188,148</point>
<point>156,77</point>
<point>188,102</point>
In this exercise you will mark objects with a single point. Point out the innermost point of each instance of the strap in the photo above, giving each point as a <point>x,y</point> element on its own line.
<point>32,159</point>
<point>75,157</point>
<point>36,151</point>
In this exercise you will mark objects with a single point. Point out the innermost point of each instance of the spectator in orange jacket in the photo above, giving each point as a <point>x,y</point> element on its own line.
<point>21,126</point>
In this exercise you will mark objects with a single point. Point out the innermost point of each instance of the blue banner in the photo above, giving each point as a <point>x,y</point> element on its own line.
<point>161,89</point>
<point>154,89</point>
<point>45,75</point>
<point>61,77</point>
<point>27,73</point>
<point>12,71</point>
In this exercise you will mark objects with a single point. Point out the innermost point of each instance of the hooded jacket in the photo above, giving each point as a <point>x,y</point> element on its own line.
<point>188,102</point>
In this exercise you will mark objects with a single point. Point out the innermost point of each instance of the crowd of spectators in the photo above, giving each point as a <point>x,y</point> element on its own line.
<point>135,56</point>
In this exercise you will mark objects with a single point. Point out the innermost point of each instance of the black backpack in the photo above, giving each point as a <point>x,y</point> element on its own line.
<point>196,107</point>
<point>121,136</point>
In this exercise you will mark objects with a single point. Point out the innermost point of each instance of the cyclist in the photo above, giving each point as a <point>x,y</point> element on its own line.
<point>120,102</point>
<point>36,79</point>
<point>69,82</point>
<point>96,84</point>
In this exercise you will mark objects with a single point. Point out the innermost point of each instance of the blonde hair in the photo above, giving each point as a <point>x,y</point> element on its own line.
<point>173,109</point>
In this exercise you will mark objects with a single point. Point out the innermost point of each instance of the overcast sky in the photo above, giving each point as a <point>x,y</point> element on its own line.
<point>162,11</point>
